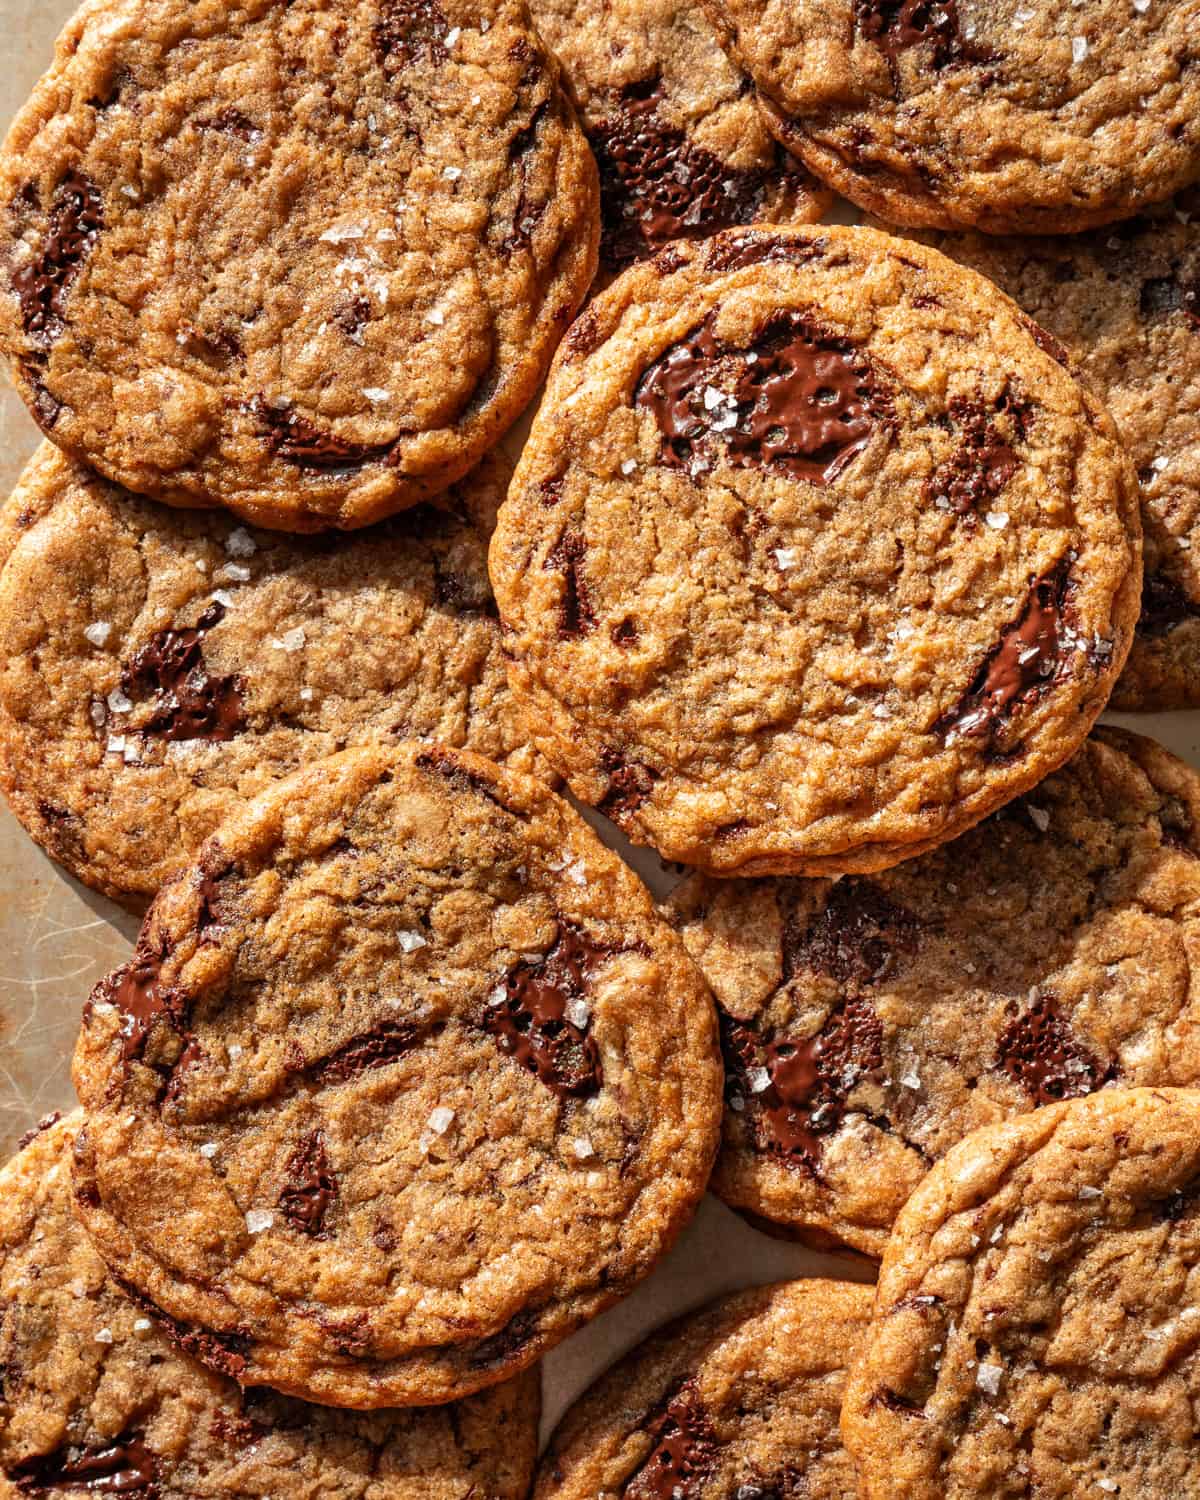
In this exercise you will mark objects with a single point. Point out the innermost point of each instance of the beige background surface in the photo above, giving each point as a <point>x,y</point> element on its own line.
<point>57,939</point>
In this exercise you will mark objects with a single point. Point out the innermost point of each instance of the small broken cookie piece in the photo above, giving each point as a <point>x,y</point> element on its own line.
<point>1033,1322</point>
<point>739,1399</point>
<point>405,1035</point>
<point>869,1024</point>
<point>776,603</point>
<point>103,1395</point>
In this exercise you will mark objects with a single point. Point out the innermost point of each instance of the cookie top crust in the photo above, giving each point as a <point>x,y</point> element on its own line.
<point>681,145</point>
<point>158,667</point>
<point>1021,116</point>
<point>1035,1314</point>
<point>816,553</point>
<point>305,260</point>
<point>741,1398</point>
<point>869,1025</point>
<point>1125,303</point>
<point>434,1082</point>
<point>101,1398</point>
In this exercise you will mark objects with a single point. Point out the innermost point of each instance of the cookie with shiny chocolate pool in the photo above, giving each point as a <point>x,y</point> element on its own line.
<point>157,667</point>
<point>679,139</point>
<point>1125,303</point>
<point>99,1397</point>
<point>816,553</point>
<point>868,1025</point>
<point>1034,1328</point>
<point>1010,116</point>
<point>305,259</point>
<point>739,1399</point>
<point>405,1081</point>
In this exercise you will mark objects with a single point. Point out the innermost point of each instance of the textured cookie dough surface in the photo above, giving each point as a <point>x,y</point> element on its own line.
<point>1028,116</point>
<point>740,1399</point>
<point>681,145</point>
<point>868,1025</point>
<point>1125,303</point>
<point>1035,1322</point>
<point>306,259</point>
<point>816,553</point>
<point>158,667</point>
<point>99,1398</point>
<point>405,1081</point>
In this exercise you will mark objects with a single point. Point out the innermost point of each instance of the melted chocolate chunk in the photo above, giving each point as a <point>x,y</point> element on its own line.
<point>136,991</point>
<point>383,1045</point>
<point>1046,342</point>
<point>408,30</point>
<point>685,1450</point>
<point>1038,1050</point>
<point>530,1019</point>
<point>855,937</point>
<point>501,1346</point>
<point>575,614</point>
<point>1164,605</point>
<point>656,185</point>
<point>46,406</point>
<point>297,441</point>
<point>312,1187</point>
<point>796,1087</point>
<point>629,784</point>
<point>189,703</point>
<point>733,252</point>
<point>43,1124</point>
<point>797,399</point>
<point>896,25</point>
<point>527,214</point>
<point>1026,662</point>
<point>123,1466</point>
<point>979,468</point>
<point>75,221</point>
<point>223,1352</point>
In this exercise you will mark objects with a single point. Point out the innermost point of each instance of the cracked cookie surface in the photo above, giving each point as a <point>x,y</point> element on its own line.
<point>158,667</point>
<point>681,145</point>
<point>305,260</point>
<point>1023,116</point>
<point>1035,1319</point>
<point>1125,303</point>
<point>405,1081</point>
<point>98,1399</point>
<point>869,1025</point>
<point>814,555</point>
<point>740,1399</point>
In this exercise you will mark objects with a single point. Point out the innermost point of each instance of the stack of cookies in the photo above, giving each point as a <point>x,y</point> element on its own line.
<point>819,563</point>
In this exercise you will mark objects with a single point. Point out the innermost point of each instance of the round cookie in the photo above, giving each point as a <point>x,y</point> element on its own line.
<point>306,259</point>
<point>100,1398</point>
<point>1125,303</point>
<point>157,667</point>
<point>740,1399</point>
<point>1034,1330</point>
<point>814,555</point>
<point>868,1025</point>
<point>405,1081</point>
<point>1022,116</point>
<point>681,145</point>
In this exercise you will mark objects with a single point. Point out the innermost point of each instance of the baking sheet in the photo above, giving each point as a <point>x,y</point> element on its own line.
<point>57,938</point>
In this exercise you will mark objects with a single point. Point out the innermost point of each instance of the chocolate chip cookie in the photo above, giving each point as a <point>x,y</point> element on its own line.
<point>816,553</point>
<point>868,1025</point>
<point>404,1082</point>
<point>1022,116</point>
<point>99,1397</point>
<point>306,259</point>
<point>680,142</point>
<point>157,666</point>
<point>741,1399</point>
<point>1125,303</point>
<point>1035,1323</point>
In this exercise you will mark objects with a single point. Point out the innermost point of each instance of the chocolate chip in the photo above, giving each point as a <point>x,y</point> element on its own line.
<point>530,1021</point>
<point>980,466</point>
<point>44,1123</point>
<point>75,221</point>
<point>798,399</point>
<point>298,441</point>
<point>854,939</point>
<point>223,1352</point>
<point>1165,605</point>
<point>1039,1051</point>
<point>625,633</point>
<point>1046,342</point>
<point>232,122</point>
<point>527,213</point>
<point>384,1044</point>
<point>351,315</point>
<point>189,703</point>
<point>684,1453</point>
<point>1025,662</point>
<point>47,408</point>
<point>733,252</point>
<point>629,784</point>
<point>575,614</point>
<point>122,1466</point>
<point>311,1188</point>
<point>501,1346</point>
<point>896,25</point>
<point>409,30</point>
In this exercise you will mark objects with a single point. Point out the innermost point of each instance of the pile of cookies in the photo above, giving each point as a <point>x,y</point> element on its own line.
<point>818,565</point>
